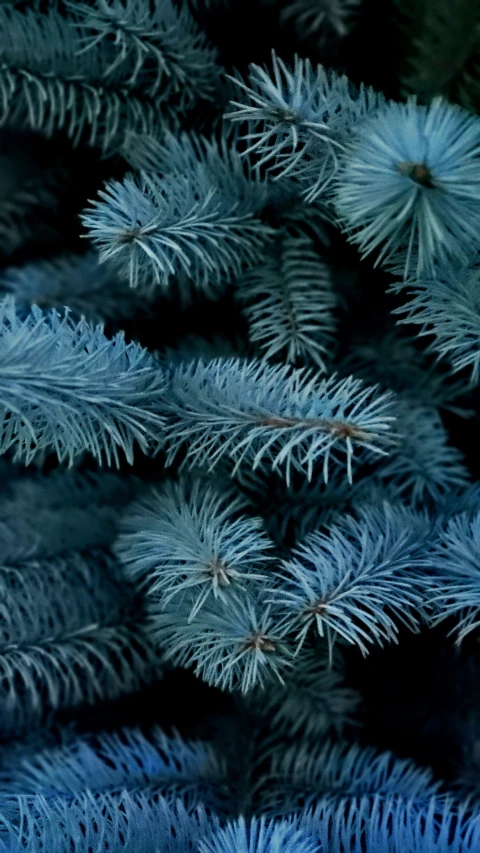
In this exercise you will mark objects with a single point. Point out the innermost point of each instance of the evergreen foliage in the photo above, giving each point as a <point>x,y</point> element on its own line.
<point>66,388</point>
<point>299,120</point>
<point>289,303</point>
<point>271,415</point>
<point>211,648</point>
<point>196,216</point>
<point>359,580</point>
<point>75,281</point>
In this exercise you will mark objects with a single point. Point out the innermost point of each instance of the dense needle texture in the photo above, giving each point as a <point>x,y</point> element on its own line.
<point>65,387</point>
<point>410,179</point>
<point>239,407</point>
<point>270,415</point>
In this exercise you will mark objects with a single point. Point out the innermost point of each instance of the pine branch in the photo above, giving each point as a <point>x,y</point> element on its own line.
<point>394,823</point>
<point>313,700</point>
<point>259,835</point>
<point>48,86</point>
<point>396,363</point>
<point>445,306</point>
<point>70,636</point>
<point>88,822</point>
<point>299,120</point>
<point>455,579</point>
<point>156,50</point>
<point>234,648</point>
<point>299,776</point>
<point>424,468</point>
<point>67,389</point>
<point>143,763</point>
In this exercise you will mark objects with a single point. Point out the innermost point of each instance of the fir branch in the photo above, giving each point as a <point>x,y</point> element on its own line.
<point>68,638</point>
<point>320,19</point>
<point>116,823</point>
<point>47,86</point>
<point>256,413</point>
<point>394,823</point>
<point>93,665</point>
<point>151,228</point>
<point>455,575</point>
<point>127,759</point>
<point>313,700</point>
<point>398,364</point>
<point>424,468</point>
<point>234,647</point>
<point>66,388</point>
<point>289,303</point>
<point>299,776</point>
<point>259,835</point>
<point>50,598</point>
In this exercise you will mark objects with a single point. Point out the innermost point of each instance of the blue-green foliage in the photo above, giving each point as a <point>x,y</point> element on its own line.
<point>235,647</point>
<point>104,823</point>
<point>71,628</point>
<point>260,836</point>
<point>299,120</point>
<point>306,773</point>
<point>409,178</point>
<point>446,308</point>
<point>191,210</point>
<point>78,282</point>
<point>425,466</point>
<point>359,580</point>
<point>156,49</point>
<point>101,72</point>
<point>65,388</point>
<point>455,581</point>
<point>394,824</point>
<point>71,636</point>
<point>260,414</point>
<point>289,303</point>
<point>313,699</point>
<point>129,759</point>
<point>188,541</point>
<point>290,522</point>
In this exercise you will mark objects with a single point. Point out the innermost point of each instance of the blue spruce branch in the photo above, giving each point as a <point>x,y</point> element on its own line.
<point>299,120</point>
<point>192,212</point>
<point>358,581</point>
<point>156,49</point>
<point>255,413</point>
<point>289,302</point>
<point>409,179</point>
<point>187,541</point>
<point>65,388</point>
